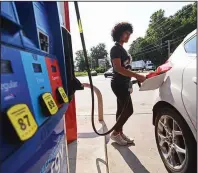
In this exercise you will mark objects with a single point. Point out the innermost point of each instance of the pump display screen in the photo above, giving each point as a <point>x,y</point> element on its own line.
<point>37,68</point>
<point>6,67</point>
<point>53,68</point>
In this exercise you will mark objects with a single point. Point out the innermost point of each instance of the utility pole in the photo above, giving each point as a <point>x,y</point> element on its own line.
<point>168,41</point>
<point>91,63</point>
<point>168,48</point>
<point>161,52</point>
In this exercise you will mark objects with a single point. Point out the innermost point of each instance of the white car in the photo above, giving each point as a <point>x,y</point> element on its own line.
<point>174,113</point>
<point>108,72</point>
<point>94,73</point>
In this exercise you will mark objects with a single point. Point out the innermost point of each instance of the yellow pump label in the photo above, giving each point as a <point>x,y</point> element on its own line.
<point>63,94</point>
<point>50,103</point>
<point>23,121</point>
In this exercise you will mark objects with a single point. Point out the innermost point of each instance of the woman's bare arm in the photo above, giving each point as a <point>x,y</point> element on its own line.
<point>118,68</point>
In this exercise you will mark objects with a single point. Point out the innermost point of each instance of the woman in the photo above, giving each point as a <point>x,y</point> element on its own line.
<point>121,79</point>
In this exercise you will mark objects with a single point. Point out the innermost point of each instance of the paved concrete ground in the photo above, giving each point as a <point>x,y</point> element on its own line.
<point>87,154</point>
<point>141,158</point>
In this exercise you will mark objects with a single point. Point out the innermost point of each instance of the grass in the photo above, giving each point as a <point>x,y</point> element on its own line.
<point>77,74</point>
<point>80,74</point>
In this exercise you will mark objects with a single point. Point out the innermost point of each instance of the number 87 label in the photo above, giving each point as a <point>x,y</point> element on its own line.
<point>23,121</point>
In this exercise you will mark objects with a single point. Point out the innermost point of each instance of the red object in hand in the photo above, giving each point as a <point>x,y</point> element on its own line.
<point>161,69</point>
<point>152,74</point>
<point>164,68</point>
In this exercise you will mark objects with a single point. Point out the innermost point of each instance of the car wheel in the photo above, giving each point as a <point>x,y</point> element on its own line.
<point>175,142</point>
<point>105,76</point>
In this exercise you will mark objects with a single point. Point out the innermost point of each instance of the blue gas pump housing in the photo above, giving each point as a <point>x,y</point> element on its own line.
<point>37,32</point>
<point>30,32</point>
<point>10,25</point>
<point>41,31</point>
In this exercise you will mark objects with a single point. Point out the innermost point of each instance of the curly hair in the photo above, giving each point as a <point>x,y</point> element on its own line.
<point>118,30</point>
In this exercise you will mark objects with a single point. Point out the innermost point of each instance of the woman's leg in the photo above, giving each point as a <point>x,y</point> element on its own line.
<point>128,113</point>
<point>125,110</point>
<point>119,110</point>
<point>123,98</point>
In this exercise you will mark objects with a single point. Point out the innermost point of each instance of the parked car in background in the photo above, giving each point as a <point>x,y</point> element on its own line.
<point>108,73</point>
<point>174,113</point>
<point>94,73</point>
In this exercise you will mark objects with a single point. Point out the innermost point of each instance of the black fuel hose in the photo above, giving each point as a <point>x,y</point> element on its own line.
<point>90,79</point>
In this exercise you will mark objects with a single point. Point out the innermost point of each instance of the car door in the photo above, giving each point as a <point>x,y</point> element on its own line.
<point>190,79</point>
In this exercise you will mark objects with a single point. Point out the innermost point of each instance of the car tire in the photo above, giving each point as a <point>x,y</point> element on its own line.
<point>105,76</point>
<point>190,163</point>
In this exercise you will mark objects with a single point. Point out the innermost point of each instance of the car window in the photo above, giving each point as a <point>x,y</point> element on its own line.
<point>190,46</point>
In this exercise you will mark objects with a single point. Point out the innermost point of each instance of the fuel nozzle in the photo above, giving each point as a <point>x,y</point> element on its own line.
<point>136,81</point>
<point>139,84</point>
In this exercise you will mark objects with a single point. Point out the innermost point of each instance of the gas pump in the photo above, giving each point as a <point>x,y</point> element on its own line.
<point>34,88</point>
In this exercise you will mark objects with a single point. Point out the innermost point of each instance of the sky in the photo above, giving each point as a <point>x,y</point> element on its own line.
<point>98,19</point>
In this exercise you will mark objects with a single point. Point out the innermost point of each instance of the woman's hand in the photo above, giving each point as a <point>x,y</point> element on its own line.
<point>125,72</point>
<point>140,78</point>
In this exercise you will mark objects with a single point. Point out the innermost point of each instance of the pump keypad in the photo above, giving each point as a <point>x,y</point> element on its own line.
<point>23,121</point>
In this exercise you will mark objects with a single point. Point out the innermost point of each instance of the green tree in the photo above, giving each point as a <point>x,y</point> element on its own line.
<point>80,60</point>
<point>98,52</point>
<point>108,65</point>
<point>174,28</point>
